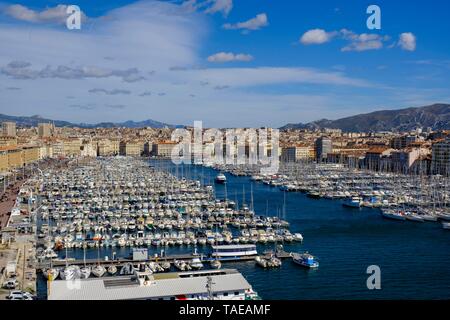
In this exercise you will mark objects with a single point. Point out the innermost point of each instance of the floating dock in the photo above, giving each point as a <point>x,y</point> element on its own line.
<point>168,258</point>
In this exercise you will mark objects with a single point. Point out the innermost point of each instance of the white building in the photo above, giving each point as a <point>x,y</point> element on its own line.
<point>225,284</point>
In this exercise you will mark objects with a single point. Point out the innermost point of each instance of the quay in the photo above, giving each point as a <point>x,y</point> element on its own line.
<point>170,258</point>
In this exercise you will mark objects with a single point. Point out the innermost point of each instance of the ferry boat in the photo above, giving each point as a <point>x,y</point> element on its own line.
<point>233,251</point>
<point>220,178</point>
<point>305,260</point>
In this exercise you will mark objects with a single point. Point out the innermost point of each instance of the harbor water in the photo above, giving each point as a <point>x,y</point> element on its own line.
<point>414,258</point>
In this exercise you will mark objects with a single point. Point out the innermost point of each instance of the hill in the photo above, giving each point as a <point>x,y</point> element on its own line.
<point>436,116</point>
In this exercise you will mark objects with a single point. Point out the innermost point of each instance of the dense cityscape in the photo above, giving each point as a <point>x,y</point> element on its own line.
<point>421,151</point>
<point>362,169</point>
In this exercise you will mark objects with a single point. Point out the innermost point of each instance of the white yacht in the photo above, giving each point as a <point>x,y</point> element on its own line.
<point>71,273</point>
<point>392,214</point>
<point>196,263</point>
<point>220,178</point>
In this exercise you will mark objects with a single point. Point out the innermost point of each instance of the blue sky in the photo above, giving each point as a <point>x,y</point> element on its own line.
<point>226,62</point>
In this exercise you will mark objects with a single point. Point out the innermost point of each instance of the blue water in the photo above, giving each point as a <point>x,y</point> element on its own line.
<point>414,258</point>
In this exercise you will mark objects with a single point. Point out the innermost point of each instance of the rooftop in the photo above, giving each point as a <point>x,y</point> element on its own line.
<point>167,285</point>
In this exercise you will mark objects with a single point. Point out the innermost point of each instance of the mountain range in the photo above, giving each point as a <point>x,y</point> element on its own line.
<point>436,116</point>
<point>33,121</point>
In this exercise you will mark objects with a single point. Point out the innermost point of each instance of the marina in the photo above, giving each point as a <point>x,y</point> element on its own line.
<point>322,222</point>
<point>415,198</point>
<point>124,203</point>
<point>119,217</point>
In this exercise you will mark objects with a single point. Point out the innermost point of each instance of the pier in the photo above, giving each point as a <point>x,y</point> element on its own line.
<point>170,258</point>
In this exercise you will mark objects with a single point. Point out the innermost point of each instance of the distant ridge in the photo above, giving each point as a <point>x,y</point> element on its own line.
<point>436,116</point>
<point>34,120</point>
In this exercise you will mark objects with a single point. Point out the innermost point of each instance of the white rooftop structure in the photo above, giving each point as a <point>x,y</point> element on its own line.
<point>226,284</point>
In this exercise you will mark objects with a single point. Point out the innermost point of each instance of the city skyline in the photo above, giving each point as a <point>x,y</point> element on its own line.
<point>180,61</point>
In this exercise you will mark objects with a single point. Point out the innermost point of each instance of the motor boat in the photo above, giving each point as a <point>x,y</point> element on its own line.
<point>70,273</point>
<point>305,260</point>
<point>353,202</point>
<point>98,271</point>
<point>112,270</point>
<point>215,264</point>
<point>51,273</point>
<point>127,269</point>
<point>196,263</point>
<point>85,272</point>
<point>392,214</point>
<point>221,178</point>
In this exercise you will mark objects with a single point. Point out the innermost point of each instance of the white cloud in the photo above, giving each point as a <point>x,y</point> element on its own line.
<point>209,6</point>
<point>363,45</point>
<point>316,36</point>
<point>110,92</point>
<point>247,77</point>
<point>51,15</point>
<point>407,41</point>
<point>356,42</point>
<point>22,70</point>
<point>223,6</point>
<point>144,37</point>
<point>229,56</point>
<point>363,41</point>
<point>253,24</point>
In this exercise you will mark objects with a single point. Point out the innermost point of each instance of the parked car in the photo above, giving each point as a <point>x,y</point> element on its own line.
<point>28,296</point>
<point>15,295</point>
<point>10,284</point>
<point>20,295</point>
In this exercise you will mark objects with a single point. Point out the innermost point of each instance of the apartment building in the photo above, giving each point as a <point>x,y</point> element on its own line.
<point>45,130</point>
<point>131,148</point>
<point>30,154</point>
<point>324,145</point>
<point>9,129</point>
<point>8,141</point>
<point>163,148</point>
<point>440,157</point>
